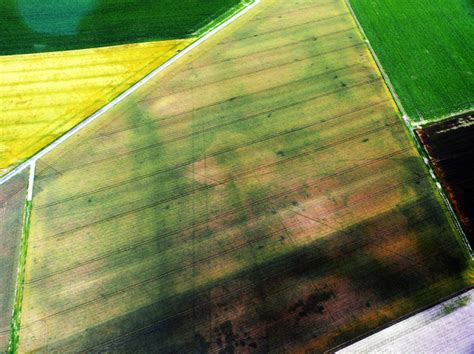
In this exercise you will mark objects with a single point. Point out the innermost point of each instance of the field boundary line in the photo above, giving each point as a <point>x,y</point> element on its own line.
<point>425,123</point>
<point>379,64</point>
<point>15,321</point>
<point>411,126</point>
<point>127,92</point>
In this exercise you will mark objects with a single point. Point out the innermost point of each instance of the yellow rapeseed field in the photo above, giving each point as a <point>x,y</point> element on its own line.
<point>44,95</point>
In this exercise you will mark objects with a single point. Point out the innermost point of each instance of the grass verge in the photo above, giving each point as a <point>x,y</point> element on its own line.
<point>458,303</point>
<point>15,321</point>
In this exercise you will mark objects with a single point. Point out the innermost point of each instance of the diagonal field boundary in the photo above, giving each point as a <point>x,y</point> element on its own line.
<point>125,94</point>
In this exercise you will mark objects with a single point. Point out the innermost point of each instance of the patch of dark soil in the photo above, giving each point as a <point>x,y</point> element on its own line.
<point>450,145</point>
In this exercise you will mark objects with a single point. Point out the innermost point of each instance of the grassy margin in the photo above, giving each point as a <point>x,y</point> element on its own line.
<point>15,321</point>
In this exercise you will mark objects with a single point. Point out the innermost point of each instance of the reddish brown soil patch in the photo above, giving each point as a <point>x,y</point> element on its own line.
<point>450,145</point>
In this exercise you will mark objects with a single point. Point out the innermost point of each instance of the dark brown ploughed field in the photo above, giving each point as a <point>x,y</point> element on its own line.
<point>451,149</point>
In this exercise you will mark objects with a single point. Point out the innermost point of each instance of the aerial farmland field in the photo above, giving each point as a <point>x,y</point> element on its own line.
<point>425,48</point>
<point>262,195</point>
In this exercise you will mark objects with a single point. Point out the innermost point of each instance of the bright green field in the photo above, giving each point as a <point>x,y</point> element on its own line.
<point>48,25</point>
<point>425,47</point>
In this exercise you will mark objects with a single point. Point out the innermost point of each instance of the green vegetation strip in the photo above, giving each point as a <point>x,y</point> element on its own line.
<point>15,322</point>
<point>456,304</point>
<point>422,47</point>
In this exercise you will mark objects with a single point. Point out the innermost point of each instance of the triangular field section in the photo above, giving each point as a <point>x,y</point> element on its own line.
<point>43,95</point>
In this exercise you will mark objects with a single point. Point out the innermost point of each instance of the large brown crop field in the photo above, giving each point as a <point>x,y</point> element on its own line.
<point>262,195</point>
<point>12,205</point>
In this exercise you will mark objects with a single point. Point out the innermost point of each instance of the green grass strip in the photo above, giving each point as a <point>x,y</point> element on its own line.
<point>456,304</point>
<point>15,321</point>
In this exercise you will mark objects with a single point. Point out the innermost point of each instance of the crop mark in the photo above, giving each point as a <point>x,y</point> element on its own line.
<point>245,273</point>
<point>258,18</point>
<point>285,28</point>
<point>184,193</point>
<point>276,48</point>
<point>293,104</point>
<point>217,153</point>
<point>181,233</point>
<point>360,63</point>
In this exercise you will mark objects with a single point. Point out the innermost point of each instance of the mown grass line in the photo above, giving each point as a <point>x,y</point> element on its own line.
<point>15,321</point>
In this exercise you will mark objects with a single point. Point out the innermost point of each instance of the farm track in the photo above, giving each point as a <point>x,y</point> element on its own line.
<point>139,150</point>
<point>76,115</point>
<point>264,113</point>
<point>226,79</point>
<point>296,60</point>
<point>260,91</point>
<point>12,205</point>
<point>66,107</point>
